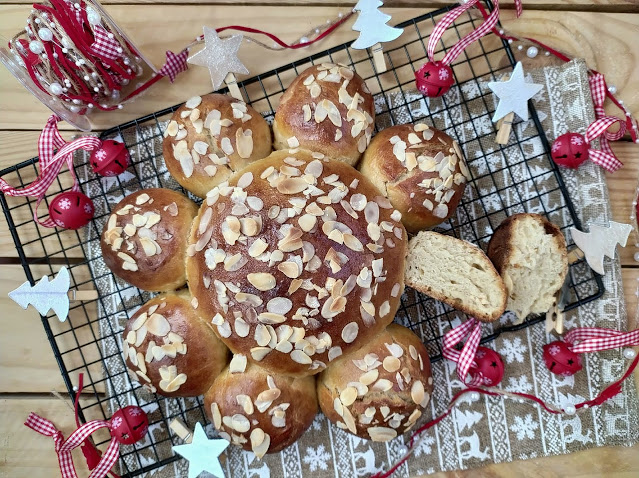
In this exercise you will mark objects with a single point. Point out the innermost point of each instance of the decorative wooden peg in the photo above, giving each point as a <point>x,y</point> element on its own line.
<point>378,58</point>
<point>504,128</point>
<point>181,430</point>
<point>234,89</point>
<point>83,295</point>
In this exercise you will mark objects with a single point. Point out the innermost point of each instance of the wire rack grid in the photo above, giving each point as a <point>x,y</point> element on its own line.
<point>516,177</point>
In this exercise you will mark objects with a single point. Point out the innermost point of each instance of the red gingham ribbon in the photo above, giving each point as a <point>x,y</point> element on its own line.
<point>591,339</point>
<point>63,447</point>
<point>105,46</point>
<point>175,64</point>
<point>604,156</point>
<point>465,358</point>
<point>448,19</point>
<point>50,164</point>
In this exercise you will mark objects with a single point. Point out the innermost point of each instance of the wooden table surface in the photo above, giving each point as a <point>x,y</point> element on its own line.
<point>605,32</point>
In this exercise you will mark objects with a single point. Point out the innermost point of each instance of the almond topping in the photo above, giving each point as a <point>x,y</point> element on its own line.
<point>262,281</point>
<point>348,396</point>
<point>349,332</point>
<point>289,269</point>
<point>238,362</point>
<point>417,392</point>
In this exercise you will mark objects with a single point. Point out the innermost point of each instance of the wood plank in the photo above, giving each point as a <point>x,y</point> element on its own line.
<point>577,33</point>
<point>27,362</point>
<point>601,5</point>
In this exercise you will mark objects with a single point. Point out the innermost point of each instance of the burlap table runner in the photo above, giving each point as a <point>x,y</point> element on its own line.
<point>492,430</point>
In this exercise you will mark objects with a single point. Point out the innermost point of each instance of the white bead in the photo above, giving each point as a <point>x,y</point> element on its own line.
<point>570,410</point>
<point>66,43</point>
<point>621,102</point>
<point>520,47</point>
<point>402,450</point>
<point>96,89</point>
<point>119,107</point>
<point>501,32</point>
<point>119,50</point>
<point>55,89</point>
<point>90,105</point>
<point>521,400</point>
<point>93,17</point>
<point>64,90</point>
<point>586,406</point>
<point>110,35</point>
<point>510,41</point>
<point>532,52</point>
<point>36,47</point>
<point>64,50</point>
<point>37,20</point>
<point>75,388</point>
<point>612,89</point>
<point>86,78</point>
<point>55,55</point>
<point>115,94</point>
<point>125,81</point>
<point>77,6</point>
<point>474,396</point>
<point>629,354</point>
<point>304,40</point>
<point>126,61</point>
<point>45,34</point>
<point>547,53</point>
<point>77,63</point>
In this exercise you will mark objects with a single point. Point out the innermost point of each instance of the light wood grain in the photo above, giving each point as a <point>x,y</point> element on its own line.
<point>27,362</point>
<point>578,33</point>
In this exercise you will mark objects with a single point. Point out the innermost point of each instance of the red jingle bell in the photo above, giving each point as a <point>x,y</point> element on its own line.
<point>489,364</point>
<point>71,210</point>
<point>434,79</point>
<point>111,159</point>
<point>570,150</point>
<point>560,359</point>
<point>129,425</point>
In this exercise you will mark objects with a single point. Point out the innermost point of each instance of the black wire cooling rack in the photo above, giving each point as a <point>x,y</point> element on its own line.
<point>517,177</point>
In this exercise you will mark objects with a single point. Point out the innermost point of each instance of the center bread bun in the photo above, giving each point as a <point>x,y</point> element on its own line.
<point>298,260</point>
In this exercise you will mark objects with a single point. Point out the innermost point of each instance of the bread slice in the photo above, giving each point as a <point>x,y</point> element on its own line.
<point>457,273</point>
<point>530,254</point>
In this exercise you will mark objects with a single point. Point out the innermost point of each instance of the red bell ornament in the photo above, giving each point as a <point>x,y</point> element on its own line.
<point>110,159</point>
<point>570,150</point>
<point>434,79</point>
<point>71,210</point>
<point>129,425</point>
<point>560,359</point>
<point>489,364</point>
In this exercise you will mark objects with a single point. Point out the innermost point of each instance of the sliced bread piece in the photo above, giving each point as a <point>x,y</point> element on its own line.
<point>530,254</point>
<point>457,273</point>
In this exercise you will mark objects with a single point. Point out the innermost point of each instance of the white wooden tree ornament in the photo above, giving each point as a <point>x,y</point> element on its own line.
<point>52,295</point>
<point>371,23</point>
<point>601,241</point>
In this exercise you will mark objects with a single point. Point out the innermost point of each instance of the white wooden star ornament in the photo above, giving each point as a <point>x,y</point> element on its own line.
<point>219,56</point>
<point>203,453</point>
<point>514,94</point>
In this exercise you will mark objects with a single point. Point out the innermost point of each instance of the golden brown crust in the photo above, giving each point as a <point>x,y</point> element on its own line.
<point>500,245</point>
<point>170,349</point>
<point>301,319</point>
<point>151,258</point>
<point>379,391</point>
<point>213,153</point>
<point>261,412</point>
<point>408,162</point>
<point>301,121</point>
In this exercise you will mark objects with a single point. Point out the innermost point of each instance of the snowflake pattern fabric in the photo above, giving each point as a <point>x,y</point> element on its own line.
<point>476,433</point>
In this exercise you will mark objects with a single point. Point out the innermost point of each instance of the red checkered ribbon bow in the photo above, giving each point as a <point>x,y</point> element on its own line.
<point>104,44</point>
<point>50,164</point>
<point>471,329</point>
<point>590,339</point>
<point>63,447</point>
<point>599,128</point>
<point>448,19</point>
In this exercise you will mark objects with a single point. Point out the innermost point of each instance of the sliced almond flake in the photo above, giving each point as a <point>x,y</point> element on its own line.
<point>257,248</point>
<point>244,143</point>
<point>428,134</point>
<point>349,332</point>
<point>441,211</point>
<point>338,406</point>
<point>384,309</point>
<point>238,362</point>
<point>198,125</point>
<point>382,385</point>
<point>226,146</point>
<point>271,318</point>
<point>413,138</point>
<point>412,351</point>
<point>245,402</point>
<point>293,142</point>
<point>279,305</point>
<point>362,143</point>
<point>126,258</point>
<point>391,364</point>
<point>291,185</point>
<point>369,377</point>
<point>181,134</point>
<point>348,396</point>
<point>261,449</point>
<point>338,134</point>
<point>300,357</point>
<point>258,353</point>
<point>194,115</point>
<point>353,243</point>
<point>171,129</point>
<point>193,102</point>
<point>417,392</point>
<point>349,420</point>
<point>295,285</point>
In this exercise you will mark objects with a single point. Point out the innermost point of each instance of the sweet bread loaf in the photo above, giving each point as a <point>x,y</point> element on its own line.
<point>260,411</point>
<point>297,260</point>
<point>329,109</point>
<point>170,349</point>
<point>420,169</point>
<point>210,137</point>
<point>457,273</point>
<point>380,391</point>
<point>530,254</point>
<point>144,240</point>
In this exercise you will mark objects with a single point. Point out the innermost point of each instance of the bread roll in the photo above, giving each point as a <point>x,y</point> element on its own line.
<point>210,137</point>
<point>457,273</point>
<point>259,411</point>
<point>530,254</point>
<point>298,260</point>
<point>172,351</point>
<point>381,390</point>
<point>144,240</point>
<point>420,169</point>
<point>329,109</point>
